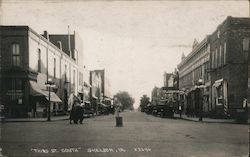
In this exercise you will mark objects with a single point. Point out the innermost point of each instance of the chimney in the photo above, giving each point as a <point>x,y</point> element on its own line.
<point>59,45</point>
<point>46,35</point>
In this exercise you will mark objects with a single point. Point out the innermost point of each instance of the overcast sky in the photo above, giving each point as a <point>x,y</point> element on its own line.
<point>135,41</point>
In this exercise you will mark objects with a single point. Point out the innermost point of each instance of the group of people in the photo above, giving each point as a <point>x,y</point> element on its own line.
<point>76,110</point>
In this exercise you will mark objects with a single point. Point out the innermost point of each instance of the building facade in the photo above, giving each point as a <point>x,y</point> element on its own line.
<point>101,88</point>
<point>195,67</point>
<point>95,90</point>
<point>220,64</point>
<point>28,61</point>
<point>229,65</point>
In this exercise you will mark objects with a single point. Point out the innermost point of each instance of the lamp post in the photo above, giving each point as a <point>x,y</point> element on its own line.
<point>49,84</point>
<point>200,86</point>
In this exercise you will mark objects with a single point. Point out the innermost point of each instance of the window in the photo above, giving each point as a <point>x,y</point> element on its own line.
<point>246,48</point>
<point>39,61</point>
<point>219,58</point>
<point>246,44</point>
<point>216,58</point>
<point>15,54</point>
<point>74,87</point>
<point>65,71</point>
<point>225,52</point>
<point>73,76</point>
<point>80,78</point>
<point>54,67</point>
<point>218,34</point>
<point>212,59</point>
<point>17,87</point>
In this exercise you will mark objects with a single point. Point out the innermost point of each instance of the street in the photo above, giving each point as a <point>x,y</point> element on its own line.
<point>141,135</point>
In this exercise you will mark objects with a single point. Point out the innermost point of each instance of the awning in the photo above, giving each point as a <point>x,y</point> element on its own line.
<point>174,91</point>
<point>35,90</point>
<point>53,96</point>
<point>218,83</point>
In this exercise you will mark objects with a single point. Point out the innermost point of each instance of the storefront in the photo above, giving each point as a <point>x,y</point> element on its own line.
<point>39,100</point>
<point>220,97</point>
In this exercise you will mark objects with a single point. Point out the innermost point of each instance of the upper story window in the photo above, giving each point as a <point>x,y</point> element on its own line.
<point>65,71</point>
<point>16,54</point>
<point>216,58</point>
<point>225,52</point>
<point>218,34</point>
<point>246,44</point>
<point>39,60</point>
<point>74,76</point>
<point>54,68</point>
<point>219,60</point>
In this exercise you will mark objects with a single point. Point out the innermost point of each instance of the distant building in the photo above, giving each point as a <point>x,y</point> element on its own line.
<point>166,79</point>
<point>95,90</point>
<point>28,59</point>
<point>171,80</point>
<point>105,96</point>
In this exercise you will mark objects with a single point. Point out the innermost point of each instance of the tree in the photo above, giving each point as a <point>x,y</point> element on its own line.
<point>125,99</point>
<point>144,102</point>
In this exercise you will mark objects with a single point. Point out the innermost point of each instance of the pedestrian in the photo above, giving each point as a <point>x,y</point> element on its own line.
<point>77,113</point>
<point>180,110</point>
<point>81,114</point>
<point>71,107</point>
<point>71,114</point>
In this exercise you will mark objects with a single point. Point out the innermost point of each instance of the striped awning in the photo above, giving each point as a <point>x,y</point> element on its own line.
<point>53,97</point>
<point>35,90</point>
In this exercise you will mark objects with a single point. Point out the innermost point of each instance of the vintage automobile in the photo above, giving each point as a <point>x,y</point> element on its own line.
<point>149,109</point>
<point>88,110</point>
<point>167,103</point>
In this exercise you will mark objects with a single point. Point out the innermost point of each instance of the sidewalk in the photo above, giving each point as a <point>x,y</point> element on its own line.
<point>206,120</point>
<point>53,118</point>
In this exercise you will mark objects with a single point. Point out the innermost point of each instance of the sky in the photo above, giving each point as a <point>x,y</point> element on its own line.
<point>134,41</point>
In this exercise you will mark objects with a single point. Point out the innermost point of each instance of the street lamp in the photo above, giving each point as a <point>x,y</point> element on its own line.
<point>200,86</point>
<point>49,84</point>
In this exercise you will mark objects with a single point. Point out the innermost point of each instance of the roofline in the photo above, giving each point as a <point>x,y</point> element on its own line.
<point>194,51</point>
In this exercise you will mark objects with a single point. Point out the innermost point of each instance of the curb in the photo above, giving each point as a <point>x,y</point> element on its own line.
<point>192,120</point>
<point>40,120</point>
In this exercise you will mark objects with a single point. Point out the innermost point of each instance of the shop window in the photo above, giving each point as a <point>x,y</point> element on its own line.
<point>17,88</point>
<point>15,54</point>
<point>219,95</point>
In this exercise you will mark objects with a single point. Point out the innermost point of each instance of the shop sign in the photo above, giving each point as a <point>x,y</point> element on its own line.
<point>15,92</point>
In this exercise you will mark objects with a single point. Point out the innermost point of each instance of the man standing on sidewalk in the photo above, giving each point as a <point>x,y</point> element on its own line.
<point>180,110</point>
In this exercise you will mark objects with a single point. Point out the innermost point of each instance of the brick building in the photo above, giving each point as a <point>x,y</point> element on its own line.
<point>28,60</point>
<point>221,61</point>
<point>229,65</point>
